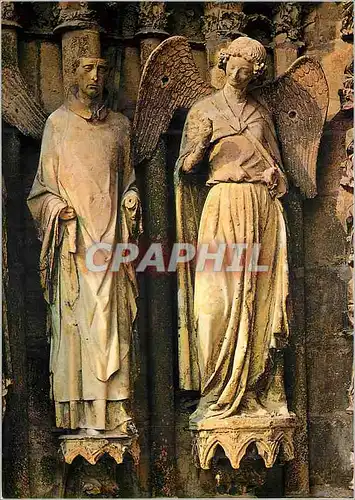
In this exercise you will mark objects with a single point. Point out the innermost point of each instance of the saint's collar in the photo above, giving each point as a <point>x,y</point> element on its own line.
<point>81,109</point>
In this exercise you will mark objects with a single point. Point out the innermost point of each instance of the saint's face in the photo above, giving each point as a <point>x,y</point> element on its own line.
<point>239,72</point>
<point>91,74</point>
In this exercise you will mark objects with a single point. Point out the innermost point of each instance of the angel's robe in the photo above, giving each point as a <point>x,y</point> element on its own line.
<point>86,164</point>
<point>239,315</point>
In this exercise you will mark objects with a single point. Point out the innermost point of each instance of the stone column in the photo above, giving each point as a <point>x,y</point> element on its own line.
<point>288,31</point>
<point>80,36</point>
<point>152,21</point>
<point>15,424</point>
<point>41,59</point>
<point>223,22</point>
<point>345,204</point>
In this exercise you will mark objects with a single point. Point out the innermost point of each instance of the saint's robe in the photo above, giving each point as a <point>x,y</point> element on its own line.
<point>86,164</point>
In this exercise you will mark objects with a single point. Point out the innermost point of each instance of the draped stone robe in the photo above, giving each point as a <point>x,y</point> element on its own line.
<point>86,164</point>
<point>240,315</point>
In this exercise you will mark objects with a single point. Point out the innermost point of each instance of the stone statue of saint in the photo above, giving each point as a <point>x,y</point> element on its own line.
<point>84,194</point>
<point>230,176</point>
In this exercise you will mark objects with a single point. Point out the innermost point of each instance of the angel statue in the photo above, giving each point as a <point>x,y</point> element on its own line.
<point>239,148</point>
<point>83,195</point>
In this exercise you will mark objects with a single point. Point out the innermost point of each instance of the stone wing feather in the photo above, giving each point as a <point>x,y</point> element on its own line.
<point>19,107</point>
<point>299,102</point>
<point>170,80</point>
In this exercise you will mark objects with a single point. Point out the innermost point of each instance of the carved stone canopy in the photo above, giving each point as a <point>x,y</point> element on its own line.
<point>234,435</point>
<point>94,447</point>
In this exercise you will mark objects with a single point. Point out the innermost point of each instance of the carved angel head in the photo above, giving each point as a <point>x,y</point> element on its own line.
<point>248,49</point>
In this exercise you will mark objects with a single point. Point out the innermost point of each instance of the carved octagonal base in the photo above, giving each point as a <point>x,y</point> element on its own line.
<point>235,434</point>
<point>92,448</point>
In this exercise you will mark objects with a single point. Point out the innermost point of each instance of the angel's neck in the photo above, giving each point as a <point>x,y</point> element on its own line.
<point>238,95</point>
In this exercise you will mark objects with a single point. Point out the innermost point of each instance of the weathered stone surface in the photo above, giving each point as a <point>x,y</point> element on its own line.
<point>326,305</point>
<point>29,63</point>
<point>335,363</point>
<point>16,446</point>
<point>321,25</point>
<point>30,463</point>
<point>322,40</point>
<point>186,21</point>
<point>331,152</point>
<point>51,81</point>
<point>324,234</point>
<point>330,460</point>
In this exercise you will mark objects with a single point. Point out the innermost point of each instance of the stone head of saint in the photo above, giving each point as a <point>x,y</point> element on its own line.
<point>242,61</point>
<point>90,77</point>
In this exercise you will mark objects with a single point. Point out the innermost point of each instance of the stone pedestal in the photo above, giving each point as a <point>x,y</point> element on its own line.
<point>235,434</point>
<point>92,448</point>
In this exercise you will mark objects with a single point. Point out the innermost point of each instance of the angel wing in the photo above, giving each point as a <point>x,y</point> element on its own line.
<point>299,101</point>
<point>19,107</point>
<point>170,80</point>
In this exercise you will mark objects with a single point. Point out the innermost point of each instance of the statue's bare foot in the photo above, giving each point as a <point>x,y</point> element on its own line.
<point>251,407</point>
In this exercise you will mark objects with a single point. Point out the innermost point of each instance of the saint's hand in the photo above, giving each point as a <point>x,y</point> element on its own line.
<point>67,213</point>
<point>131,205</point>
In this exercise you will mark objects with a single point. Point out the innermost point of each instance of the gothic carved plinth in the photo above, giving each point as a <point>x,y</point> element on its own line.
<point>235,434</point>
<point>92,448</point>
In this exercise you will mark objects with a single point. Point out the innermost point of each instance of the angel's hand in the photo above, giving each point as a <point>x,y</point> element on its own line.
<point>205,131</point>
<point>67,213</point>
<point>199,134</point>
<point>270,177</point>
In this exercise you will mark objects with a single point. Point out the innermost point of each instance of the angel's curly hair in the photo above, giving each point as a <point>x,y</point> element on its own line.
<point>249,49</point>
